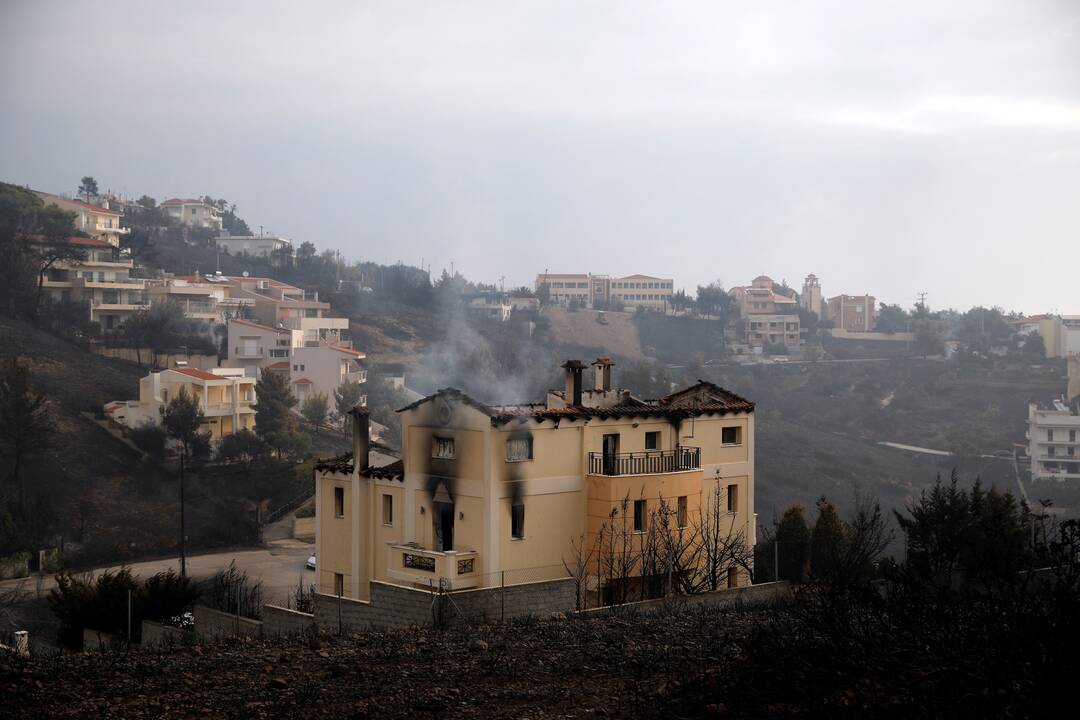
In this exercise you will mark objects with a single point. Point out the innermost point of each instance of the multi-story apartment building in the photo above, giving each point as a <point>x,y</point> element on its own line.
<point>312,368</point>
<point>225,396</point>
<point>767,316</point>
<point>854,313</point>
<point>95,221</point>
<point>201,298</point>
<point>282,305</point>
<point>1054,433</point>
<point>193,212</point>
<point>596,291</point>
<point>265,246</point>
<point>488,492</point>
<point>810,299</point>
<point>102,281</point>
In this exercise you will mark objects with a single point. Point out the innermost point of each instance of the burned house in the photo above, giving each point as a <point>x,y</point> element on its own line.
<point>487,494</point>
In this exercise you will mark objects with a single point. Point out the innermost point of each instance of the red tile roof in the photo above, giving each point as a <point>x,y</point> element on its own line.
<point>85,206</point>
<point>350,351</point>
<point>701,399</point>
<point>85,241</point>
<point>260,326</point>
<point>640,277</point>
<point>196,373</point>
<point>302,381</point>
<point>278,366</point>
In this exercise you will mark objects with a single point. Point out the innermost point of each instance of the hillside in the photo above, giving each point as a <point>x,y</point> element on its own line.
<point>582,330</point>
<point>106,502</point>
<point>820,426</point>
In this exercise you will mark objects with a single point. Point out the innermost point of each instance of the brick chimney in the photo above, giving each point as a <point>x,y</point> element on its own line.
<point>603,367</point>
<point>573,370</point>
<point>1074,377</point>
<point>361,440</point>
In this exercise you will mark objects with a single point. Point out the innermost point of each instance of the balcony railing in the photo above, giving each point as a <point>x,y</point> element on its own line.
<point>645,463</point>
<point>248,351</point>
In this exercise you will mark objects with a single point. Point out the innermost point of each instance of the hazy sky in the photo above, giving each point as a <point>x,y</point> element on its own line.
<point>887,147</point>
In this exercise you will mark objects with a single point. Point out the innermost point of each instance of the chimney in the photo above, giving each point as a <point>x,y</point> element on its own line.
<point>361,441</point>
<point>1074,377</point>
<point>603,367</point>
<point>573,370</point>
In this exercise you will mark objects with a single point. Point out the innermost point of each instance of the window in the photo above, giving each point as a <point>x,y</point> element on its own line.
<point>339,584</point>
<point>733,498</point>
<point>652,440</point>
<point>680,517</point>
<point>732,577</point>
<point>339,502</point>
<point>519,449</point>
<point>731,435</point>
<point>1050,436</point>
<point>517,520</point>
<point>1050,451</point>
<point>442,448</point>
<point>639,516</point>
<point>387,509</point>
<point>1072,436</point>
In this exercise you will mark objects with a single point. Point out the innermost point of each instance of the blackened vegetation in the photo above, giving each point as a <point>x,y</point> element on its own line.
<point>982,620</point>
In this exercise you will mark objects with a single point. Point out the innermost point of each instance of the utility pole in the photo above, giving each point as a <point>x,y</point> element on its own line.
<point>183,531</point>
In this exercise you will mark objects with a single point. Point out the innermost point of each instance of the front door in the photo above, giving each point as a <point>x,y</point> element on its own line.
<point>611,449</point>
<point>443,518</point>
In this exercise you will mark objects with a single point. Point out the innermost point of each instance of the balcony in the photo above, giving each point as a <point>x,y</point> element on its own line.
<point>656,462</point>
<point>248,351</point>
<point>458,569</point>
<point>358,376</point>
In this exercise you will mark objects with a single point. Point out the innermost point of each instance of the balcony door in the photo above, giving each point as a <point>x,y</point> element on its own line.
<point>611,450</point>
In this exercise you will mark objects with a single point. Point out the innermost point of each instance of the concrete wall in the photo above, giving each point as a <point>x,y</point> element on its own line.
<point>95,640</point>
<point>283,621</point>
<point>158,635</point>
<point>397,606</point>
<point>201,362</point>
<point>210,623</point>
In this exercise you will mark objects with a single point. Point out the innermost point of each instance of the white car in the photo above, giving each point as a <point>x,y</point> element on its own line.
<point>311,562</point>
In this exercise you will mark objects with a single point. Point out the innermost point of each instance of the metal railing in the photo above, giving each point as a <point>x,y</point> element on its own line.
<point>645,463</point>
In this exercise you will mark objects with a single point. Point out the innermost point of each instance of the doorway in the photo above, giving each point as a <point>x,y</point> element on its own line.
<point>611,451</point>
<point>443,519</point>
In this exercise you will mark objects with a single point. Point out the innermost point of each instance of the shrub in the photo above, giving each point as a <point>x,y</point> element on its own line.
<point>305,512</point>
<point>150,438</point>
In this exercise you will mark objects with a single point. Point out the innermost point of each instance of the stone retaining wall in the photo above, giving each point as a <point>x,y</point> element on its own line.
<point>763,593</point>
<point>398,606</point>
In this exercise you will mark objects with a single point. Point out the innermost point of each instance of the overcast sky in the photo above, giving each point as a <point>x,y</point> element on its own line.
<point>889,148</point>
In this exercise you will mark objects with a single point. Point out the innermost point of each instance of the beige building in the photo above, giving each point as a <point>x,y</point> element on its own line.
<point>810,299</point>
<point>489,494</point>
<point>767,316</point>
<point>854,313</point>
<point>596,291</point>
<point>96,221</point>
<point>193,212</point>
<point>225,396</point>
<point>311,368</point>
<point>562,289</point>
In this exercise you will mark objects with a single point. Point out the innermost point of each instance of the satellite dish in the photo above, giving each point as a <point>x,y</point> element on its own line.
<point>245,273</point>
